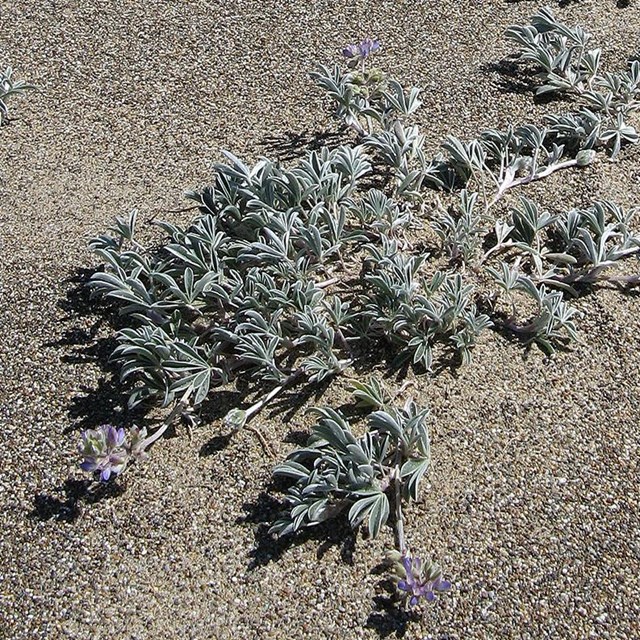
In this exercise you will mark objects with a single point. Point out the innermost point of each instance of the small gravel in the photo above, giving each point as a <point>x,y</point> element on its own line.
<point>532,504</point>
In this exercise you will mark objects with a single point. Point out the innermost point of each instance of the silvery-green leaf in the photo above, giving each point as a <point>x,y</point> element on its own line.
<point>378,515</point>
<point>411,473</point>
<point>385,422</point>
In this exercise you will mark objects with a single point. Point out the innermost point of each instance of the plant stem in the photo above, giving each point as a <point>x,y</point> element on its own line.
<point>516,182</point>
<point>593,276</point>
<point>327,283</point>
<point>356,126</point>
<point>400,541</point>
<point>258,406</point>
<point>499,247</point>
<point>180,406</point>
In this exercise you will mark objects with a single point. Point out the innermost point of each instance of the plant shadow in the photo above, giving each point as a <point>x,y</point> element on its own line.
<point>397,366</point>
<point>388,618</point>
<point>287,405</point>
<point>511,77</point>
<point>515,77</point>
<point>526,342</point>
<point>66,506</point>
<point>84,320</point>
<point>215,445</point>
<point>292,145</point>
<point>266,509</point>
<point>219,402</point>
<point>105,404</point>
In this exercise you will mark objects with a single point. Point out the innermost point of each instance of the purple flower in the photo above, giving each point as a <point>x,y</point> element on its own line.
<point>104,449</point>
<point>421,580</point>
<point>362,50</point>
<point>368,46</point>
<point>351,51</point>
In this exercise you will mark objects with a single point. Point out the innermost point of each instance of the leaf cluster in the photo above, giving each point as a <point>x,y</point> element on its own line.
<point>272,279</point>
<point>288,273</point>
<point>10,87</point>
<point>338,471</point>
<point>567,65</point>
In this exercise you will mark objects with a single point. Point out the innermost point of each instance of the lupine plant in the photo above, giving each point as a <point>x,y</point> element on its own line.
<point>367,477</point>
<point>9,87</point>
<point>290,276</point>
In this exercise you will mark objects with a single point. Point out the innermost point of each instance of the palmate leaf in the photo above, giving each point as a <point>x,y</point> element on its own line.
<point>351,162</point>
<point>192,370</point>
<point>409,183</point>
<point>375,507</point>
<point>142,354</point>
<point>402,103</point>
<point>422,351</point>
<point>126,225</point>
<point>412,472</point>
<point>10,87</point>
<point>415,435</point>
<point>370,394</point>
<point>335,83</point>
<point>192,292</point>
<point>621,133</point>
<point>332,428</point>
<point>306,512</point>
<point>527,221</point>
<point>386,422</point>
<point>291,469</point>
<point>322,366</point>
<point>506,278</point>
<point>198,381</point>
<point>361,453</point>
<point>554,321</point>
<point>132,291</point>
<point>466,158</point>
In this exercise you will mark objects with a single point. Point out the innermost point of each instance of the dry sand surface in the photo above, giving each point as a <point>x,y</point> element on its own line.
<point>532,504</point>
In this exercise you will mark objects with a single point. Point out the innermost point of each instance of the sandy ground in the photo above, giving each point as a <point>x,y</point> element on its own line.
<point>532,504</point>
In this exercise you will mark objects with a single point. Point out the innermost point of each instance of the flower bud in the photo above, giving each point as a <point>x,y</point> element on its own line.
<point>235,419</point>
<point>585,157</point>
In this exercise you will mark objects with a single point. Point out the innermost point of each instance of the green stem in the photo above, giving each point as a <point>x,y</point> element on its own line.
<point>258,406</point>
<point>180,406</point>
<point>400,540</point>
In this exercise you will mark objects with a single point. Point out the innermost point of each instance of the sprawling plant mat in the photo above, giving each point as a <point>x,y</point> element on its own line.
<point>531,502</point>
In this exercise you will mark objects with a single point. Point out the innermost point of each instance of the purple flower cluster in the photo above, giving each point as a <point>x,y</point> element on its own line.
<point>104,450</point>
<point>362,50</point>
<point>421,580</point>
<point>107,451</point>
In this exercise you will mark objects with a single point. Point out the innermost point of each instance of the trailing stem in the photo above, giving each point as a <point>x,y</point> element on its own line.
<point>180,407</point>
<point>399,521</point>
